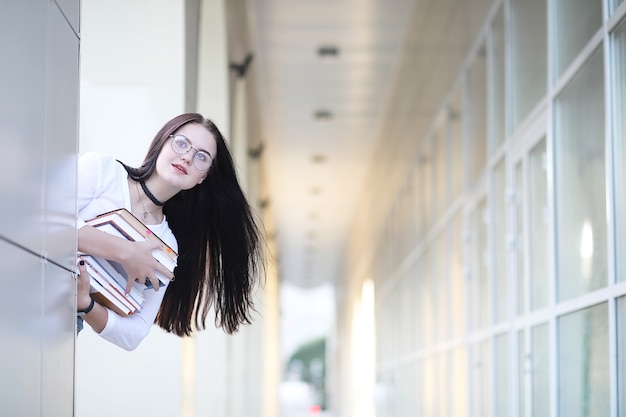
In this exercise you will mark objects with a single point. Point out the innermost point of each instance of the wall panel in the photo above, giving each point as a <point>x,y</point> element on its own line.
<point>38,136</point>
<point>20,321</point>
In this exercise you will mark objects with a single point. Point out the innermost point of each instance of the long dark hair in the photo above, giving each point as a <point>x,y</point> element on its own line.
<point>219,243</point>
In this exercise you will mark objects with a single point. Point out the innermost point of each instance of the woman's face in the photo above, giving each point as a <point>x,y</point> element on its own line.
<point>178,168</point>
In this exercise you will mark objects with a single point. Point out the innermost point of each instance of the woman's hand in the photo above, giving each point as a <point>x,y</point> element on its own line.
<point>83,299</point>
<point>135,257</point>
<point>140,264</point>
<point>98,316</point>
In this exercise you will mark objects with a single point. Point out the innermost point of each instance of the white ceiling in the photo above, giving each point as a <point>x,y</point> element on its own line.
<point>317,169</point>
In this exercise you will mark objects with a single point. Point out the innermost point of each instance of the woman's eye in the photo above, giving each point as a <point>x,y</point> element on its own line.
<point>202,156</point>
<point>181,143</point>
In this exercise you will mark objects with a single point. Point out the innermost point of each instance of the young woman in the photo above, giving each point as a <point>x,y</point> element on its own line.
<point>186,191</point>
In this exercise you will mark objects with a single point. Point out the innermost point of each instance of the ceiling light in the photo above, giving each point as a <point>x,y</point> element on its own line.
<point>325,51</point>
<point>322,115</point>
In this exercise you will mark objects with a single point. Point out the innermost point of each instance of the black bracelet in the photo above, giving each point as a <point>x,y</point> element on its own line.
<point>87,310</point>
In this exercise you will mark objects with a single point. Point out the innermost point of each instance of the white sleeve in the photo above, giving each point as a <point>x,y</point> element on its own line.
<point>128,332</point>
<point>89,181</point>
<point>102,186</point>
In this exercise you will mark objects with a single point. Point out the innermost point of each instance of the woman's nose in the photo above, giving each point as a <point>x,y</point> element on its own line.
<point>187,157</point>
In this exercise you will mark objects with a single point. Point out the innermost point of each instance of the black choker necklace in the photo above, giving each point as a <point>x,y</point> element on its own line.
<point>150,195</point>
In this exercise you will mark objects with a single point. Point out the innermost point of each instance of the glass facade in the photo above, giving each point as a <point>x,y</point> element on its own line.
<point>621,356</point>
<point>580,182</point>
<point>457,287</point>
<point>538,232</point>
<point>479,278</point>
<point>583,357</point>
<point>455,150</point>
<point>502,375</point>
<point>500,249</point>
<point>540,370</point>
<point>528,49</point>
<point>514,264</point>
<point>477,114</point>
<point>619,141</point>
<point>497,75</point>
<point>575,23</point>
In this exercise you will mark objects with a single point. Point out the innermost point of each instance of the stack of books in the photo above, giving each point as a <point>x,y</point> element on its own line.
<point>108,278</point>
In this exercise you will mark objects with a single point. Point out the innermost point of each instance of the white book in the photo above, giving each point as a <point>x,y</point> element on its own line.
<point>116,273</point>
<point>105,291</point>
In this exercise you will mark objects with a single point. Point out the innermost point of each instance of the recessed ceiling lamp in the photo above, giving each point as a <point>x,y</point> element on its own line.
<point>323,115</point>
<point>327,51</point>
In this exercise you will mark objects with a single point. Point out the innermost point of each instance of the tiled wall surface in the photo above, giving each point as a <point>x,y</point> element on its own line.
<point>39,45</point>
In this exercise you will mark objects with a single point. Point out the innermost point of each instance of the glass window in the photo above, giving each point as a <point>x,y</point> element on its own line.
<point>580,182</point>
<point>438,147</point>
<point>424,287</point>
<point>435,384</point>
<point>522,373</point>
<point>442,383</point>
<point>422,316</point>
<point>380,348</point>
<point>424,175</point>
<point>500,253</point>
<point>479,278</point>
<point>528,56</point>
<point>458,382</point>
<point>538,221</point>
<point>392,249</point>
<point>408,219</point>
<point>455,147</point>
<point>456,269</point>
<point>401,227</point>
<point>411,307</point>
<point>405,383</point>
<point>429,395</point>
<point>407,312</point>
<point>613,4</point>
<point>497,104</point>
<point>382,403</point>
<point>394,325</point>
<point>621,356</point>
<point>477,88</point>
<point>481,382</point>
<point>540,370</point>
<point>502,375</point>
<point>520,276</point>
<point>576,21</point>
<point>417,391</point>
<point>619,123</point>
<point>439,289</point>
<point>416,184</point>
<point>583,355</point>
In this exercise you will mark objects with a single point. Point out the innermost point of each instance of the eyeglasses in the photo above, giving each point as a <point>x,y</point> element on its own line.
<point>181,145</point>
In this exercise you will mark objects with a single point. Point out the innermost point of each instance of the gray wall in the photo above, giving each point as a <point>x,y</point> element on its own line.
<point>39,50</point>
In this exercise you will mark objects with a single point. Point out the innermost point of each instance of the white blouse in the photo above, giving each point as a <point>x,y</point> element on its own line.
<point>102,187</point>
